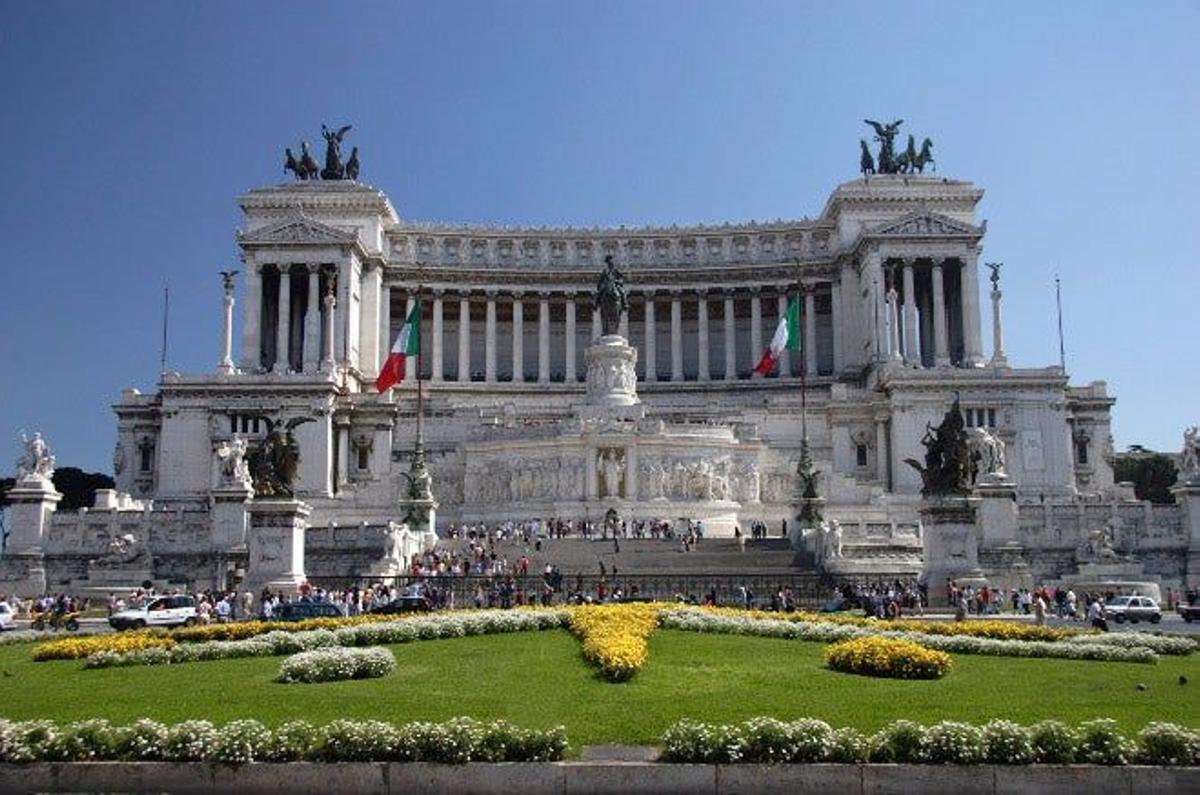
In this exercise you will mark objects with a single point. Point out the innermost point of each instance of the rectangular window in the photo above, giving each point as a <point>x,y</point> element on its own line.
<point>1081,453</point>
<point>861,455</point>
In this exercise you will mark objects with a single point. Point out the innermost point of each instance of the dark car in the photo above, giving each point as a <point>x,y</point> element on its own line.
<point>404,604</point>
<point>300,611</point>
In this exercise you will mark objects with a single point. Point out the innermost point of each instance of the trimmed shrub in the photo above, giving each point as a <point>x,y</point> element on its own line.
<point>189,741</point>
<point>703,743</point>
<point>240,742</point>
<point>901,742</point>
<point>953,743</point>
<point>849,746</point>
<point>1006,743</point>
<point>1101,743</point>
<point>294,741</point>
<point>1054,742</point>
<point>1168,744</point>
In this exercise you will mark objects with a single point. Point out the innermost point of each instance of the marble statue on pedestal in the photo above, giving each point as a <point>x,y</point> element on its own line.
<point>35,462</point>
<point>1189,457</point>
<point>987,455</point>
<point>234,469</point>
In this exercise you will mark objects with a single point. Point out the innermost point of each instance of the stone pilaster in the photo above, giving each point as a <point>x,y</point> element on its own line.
<point>327,356</point>
<point>312,321</point>
<point>489,339</point>
<point>785,356</point>
<point>252,319</point>
<point>410,363</point>
<point>835,317</point>
<point>702,336</point>
<point>729,326</point>
<point>650,346</point>
<point>283,320</point>
<point>756,337</point>
<point>912,353</point>
<point>810,330</point>
<point>972,347</point>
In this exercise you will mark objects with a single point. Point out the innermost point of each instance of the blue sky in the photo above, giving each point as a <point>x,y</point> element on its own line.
<point>128,130</point>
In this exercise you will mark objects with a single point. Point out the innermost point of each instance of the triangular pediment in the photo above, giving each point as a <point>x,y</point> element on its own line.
<point>924,224</point>
<point>298,230</point>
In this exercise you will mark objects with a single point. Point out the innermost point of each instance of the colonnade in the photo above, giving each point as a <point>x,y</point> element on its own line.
<point>698,322</point>
<point>284,325</point>
<point>932,311</point>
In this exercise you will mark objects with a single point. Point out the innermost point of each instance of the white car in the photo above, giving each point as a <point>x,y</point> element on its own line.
<point>6,617</point>
<point>1133,609</point>
<point>159,611</point>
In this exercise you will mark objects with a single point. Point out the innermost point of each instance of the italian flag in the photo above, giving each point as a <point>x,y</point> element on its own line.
<point>408,343</point>
<point>787,336</point>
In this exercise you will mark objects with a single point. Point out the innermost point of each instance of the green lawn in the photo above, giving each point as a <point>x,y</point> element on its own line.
<point>539,679</point>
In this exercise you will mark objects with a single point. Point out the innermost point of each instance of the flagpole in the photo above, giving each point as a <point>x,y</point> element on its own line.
<point>1062,350</point>
<point>420,390</point>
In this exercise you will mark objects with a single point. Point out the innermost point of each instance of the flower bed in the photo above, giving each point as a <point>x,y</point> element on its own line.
<point>614,636</point>
<point>695,620</point>
<point>979,628</point>
<point>336,664</point>
<point>119,643</point>
<point>281,641</point>
<point>895,659</point>
<point>455,741</point>
<point>765,740</point>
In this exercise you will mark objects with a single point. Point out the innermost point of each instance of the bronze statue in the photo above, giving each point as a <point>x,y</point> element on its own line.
<point>227,280</point>
<point>885,134</point>
<point>291,164</point>
<point>610,297</point>
<point>866,163</point>
<point>994,267</point>
<point>308,165</point>
<point>924,157</point>
<point>333,152</point>
<point>948,469</point>
<point>352,165</point>
<point>275,461</point>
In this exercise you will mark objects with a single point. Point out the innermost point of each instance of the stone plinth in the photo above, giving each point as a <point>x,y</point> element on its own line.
<point>950,544</point>
<point>228,516</point>
<point>611,372</point>
<point>997,514</point>
<point>32,501</point>
<point>276,543</point>
<point>1187,495</point>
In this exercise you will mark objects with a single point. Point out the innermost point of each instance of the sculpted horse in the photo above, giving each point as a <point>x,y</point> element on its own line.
<point>924,157</point>
<point>866,163</point>
<point>308,166</point>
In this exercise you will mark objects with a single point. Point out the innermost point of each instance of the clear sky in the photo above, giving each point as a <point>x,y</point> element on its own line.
<point>129,130</point>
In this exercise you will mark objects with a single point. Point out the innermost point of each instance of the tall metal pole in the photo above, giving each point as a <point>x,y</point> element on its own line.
<point>1062,351</point>
<point>162,361</point>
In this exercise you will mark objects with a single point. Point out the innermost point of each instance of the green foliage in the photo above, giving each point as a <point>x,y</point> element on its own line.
<point>78,487</point>
<point>1152,475</point>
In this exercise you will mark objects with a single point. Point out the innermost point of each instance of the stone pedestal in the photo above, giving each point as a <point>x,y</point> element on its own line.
<point>997,514</point>
<point>32,503</point>
<point>228,516</point>
<point>1187,495</point>
<point>611,372</point>
<point>950,544</point>
<point>276,544</point>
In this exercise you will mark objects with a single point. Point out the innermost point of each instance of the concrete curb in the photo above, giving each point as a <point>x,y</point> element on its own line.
<point>570,778</point>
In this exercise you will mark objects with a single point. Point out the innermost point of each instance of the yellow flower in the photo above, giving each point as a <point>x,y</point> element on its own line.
<point>614,636</point>
<point>876,656</point>
<point>77,648</point>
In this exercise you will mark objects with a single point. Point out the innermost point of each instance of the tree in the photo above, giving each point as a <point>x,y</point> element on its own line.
<point>78,487</point>
<point>1152,475</point>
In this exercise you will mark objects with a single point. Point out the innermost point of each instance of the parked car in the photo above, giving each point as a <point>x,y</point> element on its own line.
<point>159,611</point>
<point>412,599</point>
<point>6,617</point>
<point>1133,609</point>
<point>301,611</point>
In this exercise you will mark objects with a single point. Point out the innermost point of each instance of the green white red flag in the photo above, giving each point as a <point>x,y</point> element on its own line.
<point>787,336</point>
<point>408,343</point>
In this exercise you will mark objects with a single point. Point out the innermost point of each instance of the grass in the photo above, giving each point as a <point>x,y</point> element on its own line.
<point>540,680</point>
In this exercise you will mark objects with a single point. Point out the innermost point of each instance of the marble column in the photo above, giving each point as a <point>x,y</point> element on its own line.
<point>941,345</point>
<point>464,338</point>
<point>998,357</point>
<point>676,337</point>
<point>596,327</point>
<point>702,373</point>
<point>650,346</point>
<point>835,318</point>
<point>570,376</point>
<point>283,325</point>
<point>623,325</point>
<point>385,324</point>
<point>544,338</point>
<point>810,330</point>
<point>756,340</point>
<point>252,319</point>
<point>330,304</point>
<point>312,321</point>
<point>518,339</point>
<point>972,346</point>
<point>785,356</point>
<point>436,372</point>
<point>912,345</point>
<point>225,365</point>
<point>343,451</point>
<point>729,324</point>
<point>410,363</point>
<point>489,339</point>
